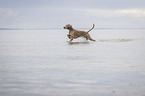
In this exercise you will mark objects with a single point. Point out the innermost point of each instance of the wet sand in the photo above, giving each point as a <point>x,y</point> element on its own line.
<point>43,63</point>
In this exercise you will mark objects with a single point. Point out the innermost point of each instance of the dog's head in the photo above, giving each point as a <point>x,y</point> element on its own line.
<point>68,26</point>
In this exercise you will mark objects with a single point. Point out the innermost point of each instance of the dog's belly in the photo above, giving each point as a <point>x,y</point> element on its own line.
<point>78,34</point>
<point>76,37</point>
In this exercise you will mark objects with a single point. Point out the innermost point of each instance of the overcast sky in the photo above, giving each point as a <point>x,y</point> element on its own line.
<point>79,13</point>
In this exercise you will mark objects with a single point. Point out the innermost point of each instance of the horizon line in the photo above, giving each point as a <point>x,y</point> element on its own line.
<point>59,28</point>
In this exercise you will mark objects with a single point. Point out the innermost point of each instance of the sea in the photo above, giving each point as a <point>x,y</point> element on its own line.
<point>44,63</point>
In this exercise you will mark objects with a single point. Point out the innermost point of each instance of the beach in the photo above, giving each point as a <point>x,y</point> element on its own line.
<point>43,63</point>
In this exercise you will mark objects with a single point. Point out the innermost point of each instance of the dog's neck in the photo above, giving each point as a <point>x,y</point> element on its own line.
<point>70,29</point>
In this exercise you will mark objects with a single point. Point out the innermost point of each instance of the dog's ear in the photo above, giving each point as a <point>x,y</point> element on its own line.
<point>70,26</point>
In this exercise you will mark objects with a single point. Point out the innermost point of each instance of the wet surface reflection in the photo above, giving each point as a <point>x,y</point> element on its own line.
<point>41,63</point>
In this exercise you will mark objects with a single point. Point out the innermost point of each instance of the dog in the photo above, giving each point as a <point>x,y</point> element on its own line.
<point>73,34</point>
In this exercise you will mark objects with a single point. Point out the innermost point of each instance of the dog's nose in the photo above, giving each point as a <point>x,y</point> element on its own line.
<point>64,27</point>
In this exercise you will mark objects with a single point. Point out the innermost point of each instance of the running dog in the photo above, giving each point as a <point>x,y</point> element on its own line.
<point>73,34</point>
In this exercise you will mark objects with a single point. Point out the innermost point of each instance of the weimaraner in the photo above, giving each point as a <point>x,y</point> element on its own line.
<point>73,34</point>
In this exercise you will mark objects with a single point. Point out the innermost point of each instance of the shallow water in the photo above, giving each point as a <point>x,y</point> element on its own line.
<point>43,63</point>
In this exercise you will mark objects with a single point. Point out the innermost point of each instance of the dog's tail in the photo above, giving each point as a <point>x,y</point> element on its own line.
<point>92,28</point>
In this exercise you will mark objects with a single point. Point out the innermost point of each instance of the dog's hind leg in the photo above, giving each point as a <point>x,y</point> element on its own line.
<point>87,36</point>
<point>92,39</point>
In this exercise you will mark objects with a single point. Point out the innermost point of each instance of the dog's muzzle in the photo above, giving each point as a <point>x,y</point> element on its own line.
<point>64,27</point>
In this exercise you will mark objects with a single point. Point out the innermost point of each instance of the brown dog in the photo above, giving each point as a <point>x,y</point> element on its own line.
<point>73,34</point>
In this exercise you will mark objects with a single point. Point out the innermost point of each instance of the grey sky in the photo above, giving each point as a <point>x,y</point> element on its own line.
<point>80,13</point>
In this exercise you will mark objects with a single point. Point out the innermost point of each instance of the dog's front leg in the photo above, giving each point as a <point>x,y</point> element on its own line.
<point>68,36</point>
<point>71,40</point>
